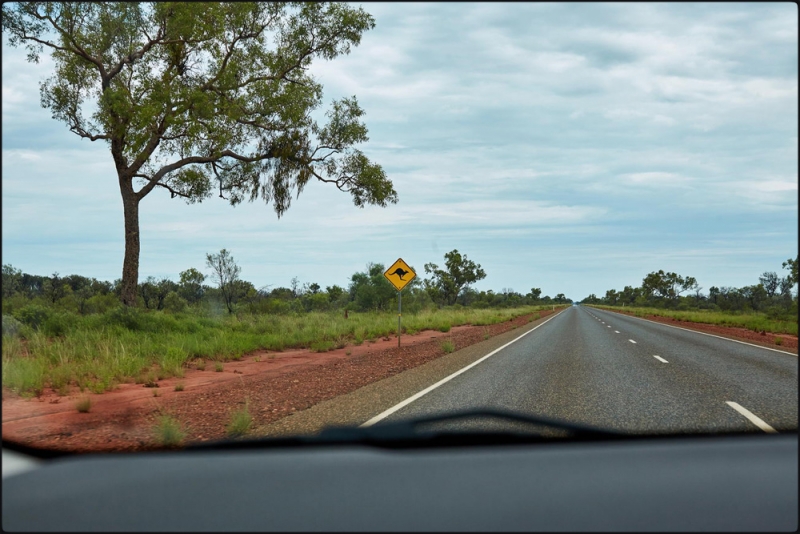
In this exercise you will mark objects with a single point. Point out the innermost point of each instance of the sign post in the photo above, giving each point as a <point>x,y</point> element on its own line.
<point>399,275</point>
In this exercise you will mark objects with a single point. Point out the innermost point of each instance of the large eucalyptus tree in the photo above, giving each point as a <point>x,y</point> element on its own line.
<point>196,97</point>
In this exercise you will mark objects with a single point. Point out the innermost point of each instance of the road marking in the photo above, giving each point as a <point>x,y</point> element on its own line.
<point>632,341</point>
<point>712,335</point>
<point>659,358</point>
<point>753,419</point>
<point>609,326</point>
<point>617,331</point>
<point>402,404</point>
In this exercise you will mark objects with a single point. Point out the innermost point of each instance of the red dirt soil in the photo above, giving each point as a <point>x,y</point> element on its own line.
<point>274,383</point>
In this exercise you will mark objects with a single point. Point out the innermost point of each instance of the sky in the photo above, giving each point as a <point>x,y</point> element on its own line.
<point>570,147</point>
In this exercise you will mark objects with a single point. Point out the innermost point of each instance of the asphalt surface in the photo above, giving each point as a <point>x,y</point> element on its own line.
<point>599,368</point>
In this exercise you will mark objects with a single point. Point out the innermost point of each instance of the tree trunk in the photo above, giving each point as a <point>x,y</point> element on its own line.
<point>130,264</point>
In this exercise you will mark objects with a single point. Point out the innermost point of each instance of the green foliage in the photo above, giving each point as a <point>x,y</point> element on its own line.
<point>175,303</point>
<point>225,273</point>
<point>448,346</point>
<point>11,327</point>
<point>34,315</point>
<point>168,431</point>
<point>186,107</point>
<point>755,321</point>
<point>446,284</point>
<point>370,290</point>
<point>240,422</point>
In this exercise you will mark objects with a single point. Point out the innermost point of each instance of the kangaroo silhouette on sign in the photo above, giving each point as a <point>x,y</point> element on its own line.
<point>400,272</point>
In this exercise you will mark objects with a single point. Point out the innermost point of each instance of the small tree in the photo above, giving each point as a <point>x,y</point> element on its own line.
<point>191,285</point>
<point>225,273</point>
<point>446,284</point>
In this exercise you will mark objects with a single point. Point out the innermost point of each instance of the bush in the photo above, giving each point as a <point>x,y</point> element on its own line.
<point>125,316</point>
<point>240,422</point>
<point>174,303</point>
<point>58,324</point>
<point>33,315</point>
<point>168,431</point>
<point>11,327</point>
<point>101,303</point>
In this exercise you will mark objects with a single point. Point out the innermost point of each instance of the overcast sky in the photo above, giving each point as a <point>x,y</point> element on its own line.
<point>571,147</point>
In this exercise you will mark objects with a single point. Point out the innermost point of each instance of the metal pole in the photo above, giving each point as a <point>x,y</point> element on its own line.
<point>399,308</point>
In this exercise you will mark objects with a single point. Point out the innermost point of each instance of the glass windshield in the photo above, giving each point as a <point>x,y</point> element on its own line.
<point>234,220</point>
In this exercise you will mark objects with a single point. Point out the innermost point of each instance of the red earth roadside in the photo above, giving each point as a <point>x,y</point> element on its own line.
<point>273,384</point>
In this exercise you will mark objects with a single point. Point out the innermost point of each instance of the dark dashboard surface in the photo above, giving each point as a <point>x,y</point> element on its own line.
<point>734,483</point>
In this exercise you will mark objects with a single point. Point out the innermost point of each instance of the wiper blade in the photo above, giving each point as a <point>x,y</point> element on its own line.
<point>408,428</point>
<point>404,434</point>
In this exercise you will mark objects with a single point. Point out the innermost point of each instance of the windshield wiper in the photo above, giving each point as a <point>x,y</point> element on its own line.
<point>409,427</point>
<point>406,433</point>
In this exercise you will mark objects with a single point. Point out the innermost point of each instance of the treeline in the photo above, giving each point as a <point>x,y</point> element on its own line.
<point>771,295</point>
<point>221,289</point>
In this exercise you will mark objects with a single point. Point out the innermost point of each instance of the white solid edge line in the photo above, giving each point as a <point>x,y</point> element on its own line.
<point>632,341</point>
<point>751,417</point>
<point>402,404</point>
<point>712,335</point>
<point>659,358</point>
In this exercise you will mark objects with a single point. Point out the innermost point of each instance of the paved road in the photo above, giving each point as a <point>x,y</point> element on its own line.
<point>613,371</point>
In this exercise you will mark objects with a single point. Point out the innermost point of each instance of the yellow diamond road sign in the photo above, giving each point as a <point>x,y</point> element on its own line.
<point>399,274</point>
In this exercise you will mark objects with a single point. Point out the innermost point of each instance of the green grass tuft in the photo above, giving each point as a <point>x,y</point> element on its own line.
<point>168,431</point>
<point>448,346</point>
<point>240,423</point>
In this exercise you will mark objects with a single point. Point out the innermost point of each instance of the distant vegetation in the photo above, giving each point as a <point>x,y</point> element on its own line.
<point>769,306</point>
<point>73,331</point>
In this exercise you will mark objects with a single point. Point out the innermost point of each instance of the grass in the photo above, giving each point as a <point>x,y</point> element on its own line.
<point>755,321</point>
<point>168,431</point>
<point>240,422</point>
<point>179,386</point>
<point>84,405</point>
<point>448,346</point>
<point>100,351</point>
<point>218,367</point>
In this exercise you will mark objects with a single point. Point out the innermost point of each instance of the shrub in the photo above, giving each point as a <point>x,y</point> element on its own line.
<point>125,316</point>
<point>84,405</point>
<point>11,327</point>
<point>174,303</point>
<point>168,431</point>
<point>58,324</point>
<point>240,422</point>
<point>33,315</point>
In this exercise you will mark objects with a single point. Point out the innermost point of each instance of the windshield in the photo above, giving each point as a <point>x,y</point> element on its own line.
<point>232,220</point>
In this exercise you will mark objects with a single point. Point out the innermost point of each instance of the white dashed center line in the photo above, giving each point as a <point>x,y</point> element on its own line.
<point>632,341</point>
<point>609,326</point>
<point>751,417</point>
<point>659,358</point>
<point>617,331</point>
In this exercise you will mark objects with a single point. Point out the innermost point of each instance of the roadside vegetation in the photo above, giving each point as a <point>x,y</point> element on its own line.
<point>64,332</point>
<point>769,306</point>
<point>755,321</point>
